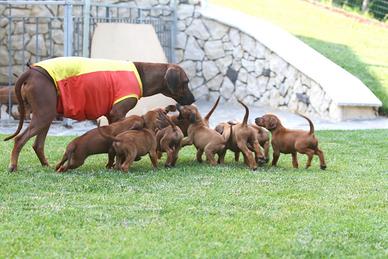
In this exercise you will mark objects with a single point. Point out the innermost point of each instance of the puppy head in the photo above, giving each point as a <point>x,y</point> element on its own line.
<point>268,121</point>
<point>189,113</point>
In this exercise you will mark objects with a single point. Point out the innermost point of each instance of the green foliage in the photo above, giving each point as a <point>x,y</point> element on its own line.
<point>196,210</point>
<point>379,9</point>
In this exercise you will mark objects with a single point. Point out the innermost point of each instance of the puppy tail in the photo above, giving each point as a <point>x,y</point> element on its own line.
<point>310,123</point>
<point>229,140</point>
<point>245,120</point>
<point>207,117</point>
<point>18,92</point>
<point>102,133</point>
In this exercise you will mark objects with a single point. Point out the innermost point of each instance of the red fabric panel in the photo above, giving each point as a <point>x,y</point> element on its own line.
<point>89,96</point>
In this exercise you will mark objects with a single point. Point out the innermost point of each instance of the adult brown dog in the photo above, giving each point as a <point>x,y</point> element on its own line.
<point>244,139</point>
<point>169,140</point>
<point>41,94</point>
<point>204,138</point>
<point>184,124</point>
<point>132,144</point>
<point>288,141</point>
<point>92,142</point>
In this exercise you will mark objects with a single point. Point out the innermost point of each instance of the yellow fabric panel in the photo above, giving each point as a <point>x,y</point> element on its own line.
<point>64,67</point>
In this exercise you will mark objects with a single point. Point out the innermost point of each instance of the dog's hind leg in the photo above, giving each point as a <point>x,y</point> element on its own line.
<point>199,155</point>
<point>322,162</point>
<point>310,155</point>
<point>175,155</point>
<point>294,160</point>
<point>237,156</point>
<point>251,163</point>
<point>111,158</point>
<point>22,139</point>
<point>154,158</point>
<point>209,151</point>
<point>39,146</point>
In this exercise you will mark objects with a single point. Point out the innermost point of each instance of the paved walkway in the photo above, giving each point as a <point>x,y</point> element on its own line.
<point>225,112</point>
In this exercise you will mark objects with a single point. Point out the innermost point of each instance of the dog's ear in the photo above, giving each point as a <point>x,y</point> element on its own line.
<point>219,128</point>
<point>172,78</point>
<point>170,108</point>
<point>272,123</point>
<point>192,117</point>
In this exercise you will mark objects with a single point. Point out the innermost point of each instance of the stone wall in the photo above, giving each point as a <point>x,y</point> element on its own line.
<point>221,60</point>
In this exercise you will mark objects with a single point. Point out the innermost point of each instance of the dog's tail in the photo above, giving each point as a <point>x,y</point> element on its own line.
<point>229,141</point>
<point>22,110</point>
<point>207,117</point>
<point>310,123</point>
<point>245,120</point>
<point>109,137</point>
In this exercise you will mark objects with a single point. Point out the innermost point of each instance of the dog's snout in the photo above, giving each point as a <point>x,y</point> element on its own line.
<point>187,99</point>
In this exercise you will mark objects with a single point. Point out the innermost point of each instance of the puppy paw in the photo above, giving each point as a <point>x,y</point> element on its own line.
<point>323,167</point>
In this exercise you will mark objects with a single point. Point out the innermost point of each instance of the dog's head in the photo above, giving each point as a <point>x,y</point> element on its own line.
<point>177,84</point>
<point>189,113</point>
<point>268,121</point>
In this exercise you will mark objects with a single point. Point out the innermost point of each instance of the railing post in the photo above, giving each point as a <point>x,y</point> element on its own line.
<point>68,29</point>
<point>68,40</point>
<point>173,31</point>
<point>86,29</point>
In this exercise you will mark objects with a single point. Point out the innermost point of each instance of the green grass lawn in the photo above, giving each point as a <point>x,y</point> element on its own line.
<point>361,49</point>
<point>196,210</point>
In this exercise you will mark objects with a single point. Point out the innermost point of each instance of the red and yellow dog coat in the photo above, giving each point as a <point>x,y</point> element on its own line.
<point>88,88</point>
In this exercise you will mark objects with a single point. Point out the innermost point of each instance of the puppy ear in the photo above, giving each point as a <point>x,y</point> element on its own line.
<point>272,124</point>
<point>170,108</point>
<point>219,129</point>
<point>172,78</point>
<point>192,117</point>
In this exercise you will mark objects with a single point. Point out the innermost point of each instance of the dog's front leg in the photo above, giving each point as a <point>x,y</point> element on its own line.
<point>120,109</point>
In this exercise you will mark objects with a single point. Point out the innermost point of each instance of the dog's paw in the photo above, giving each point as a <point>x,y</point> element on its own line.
<point>12,168</point>
<point>323,167</point>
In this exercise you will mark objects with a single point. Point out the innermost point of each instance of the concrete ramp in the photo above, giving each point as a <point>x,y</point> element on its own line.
<point>134,42</point>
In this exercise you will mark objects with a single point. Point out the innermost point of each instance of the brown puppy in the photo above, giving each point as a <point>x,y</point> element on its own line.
<point>184,124</point>
<point>244,139</point>
<point>288,141</point>
<point>92,142</point>
<point>132,144</point>
<point>204,138</point>
<point>169,140</point>
<point>41,93</point>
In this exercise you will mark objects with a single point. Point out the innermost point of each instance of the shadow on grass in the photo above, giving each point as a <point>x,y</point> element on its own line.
<point>347,59</point>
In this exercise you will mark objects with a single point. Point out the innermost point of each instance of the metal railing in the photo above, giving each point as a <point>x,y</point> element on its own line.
<point>64,28</point>
<point>376,8</point>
